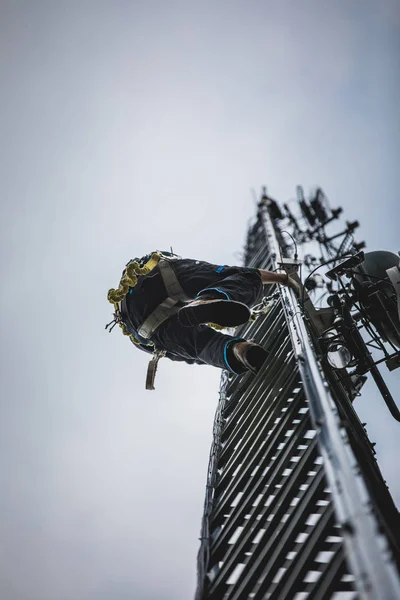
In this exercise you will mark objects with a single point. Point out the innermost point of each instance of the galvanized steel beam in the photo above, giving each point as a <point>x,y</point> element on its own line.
<point>287,511</point>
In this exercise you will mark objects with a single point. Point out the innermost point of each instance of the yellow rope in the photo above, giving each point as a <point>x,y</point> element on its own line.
<point>129,279</point>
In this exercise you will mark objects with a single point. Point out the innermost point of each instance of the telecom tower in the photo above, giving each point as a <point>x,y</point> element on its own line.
<point>296,506</point>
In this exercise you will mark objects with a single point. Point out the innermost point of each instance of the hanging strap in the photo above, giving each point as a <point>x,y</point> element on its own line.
<point>152,369</point>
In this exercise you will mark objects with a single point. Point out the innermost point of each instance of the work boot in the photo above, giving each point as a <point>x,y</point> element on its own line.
<point>226,313</point>
<point>251,355</point>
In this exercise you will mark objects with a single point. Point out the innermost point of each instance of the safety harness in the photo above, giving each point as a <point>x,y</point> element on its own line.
<point>176,298</point>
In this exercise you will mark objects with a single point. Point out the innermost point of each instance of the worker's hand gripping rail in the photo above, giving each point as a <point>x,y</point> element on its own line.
<point>375,574</point>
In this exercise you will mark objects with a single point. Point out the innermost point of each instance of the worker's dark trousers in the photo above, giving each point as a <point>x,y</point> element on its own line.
<point>201,344</point>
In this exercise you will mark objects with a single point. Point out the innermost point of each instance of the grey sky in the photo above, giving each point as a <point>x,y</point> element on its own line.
<point>130,126</point>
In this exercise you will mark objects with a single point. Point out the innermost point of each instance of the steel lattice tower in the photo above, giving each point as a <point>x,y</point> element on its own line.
<point>295,506</point>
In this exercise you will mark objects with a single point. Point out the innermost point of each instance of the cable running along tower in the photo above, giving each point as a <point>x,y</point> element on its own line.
<point>296,506</point>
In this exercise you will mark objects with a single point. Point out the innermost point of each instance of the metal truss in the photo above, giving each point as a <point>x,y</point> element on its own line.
<point>295,504</point>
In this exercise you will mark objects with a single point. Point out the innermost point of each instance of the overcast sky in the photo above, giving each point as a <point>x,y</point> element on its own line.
<point>129,126</point>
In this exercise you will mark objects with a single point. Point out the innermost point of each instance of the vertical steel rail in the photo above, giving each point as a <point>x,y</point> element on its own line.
<point>376,577</point>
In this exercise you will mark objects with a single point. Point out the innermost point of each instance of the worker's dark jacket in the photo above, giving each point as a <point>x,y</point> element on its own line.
<point>201,344</point>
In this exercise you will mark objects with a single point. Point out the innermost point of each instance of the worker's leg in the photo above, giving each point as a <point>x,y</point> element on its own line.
<point>244,284</point>
<point>199,278</point>
<point>221,294</point>
<point>204,345</point>
<point>241,284</point>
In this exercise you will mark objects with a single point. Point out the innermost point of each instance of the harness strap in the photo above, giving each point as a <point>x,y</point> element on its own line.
<point>152,369</point>
<point>172,285</point>
<point>170,306</point>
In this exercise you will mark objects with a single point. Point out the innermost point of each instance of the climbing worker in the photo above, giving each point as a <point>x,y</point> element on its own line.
<point>166,303</point>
